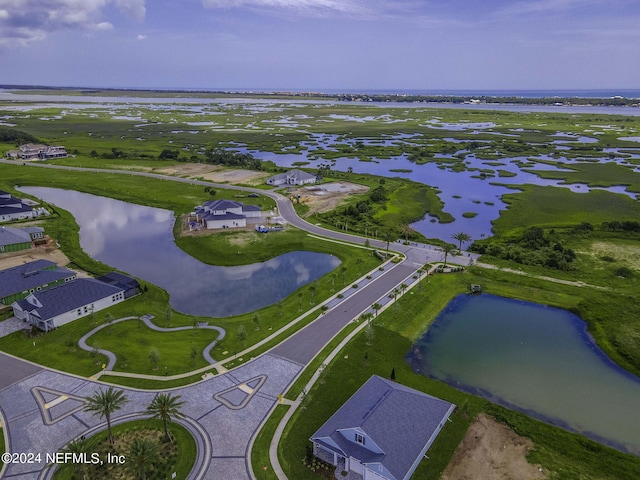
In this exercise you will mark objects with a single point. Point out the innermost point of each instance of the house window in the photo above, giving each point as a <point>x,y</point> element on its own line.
<point>360,439</point>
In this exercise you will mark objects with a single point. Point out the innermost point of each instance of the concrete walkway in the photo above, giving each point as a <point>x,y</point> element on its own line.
<point>219,404</point>
<point>11,325</point>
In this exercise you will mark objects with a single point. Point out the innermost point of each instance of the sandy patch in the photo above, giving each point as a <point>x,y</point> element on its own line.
<point>214,173</point>
<point>628,255</point>
<point>326,197</point>
<point>492,451</point>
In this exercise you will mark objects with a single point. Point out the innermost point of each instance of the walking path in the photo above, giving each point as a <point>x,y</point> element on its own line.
<point>111,357</point>
<point>229,407</point>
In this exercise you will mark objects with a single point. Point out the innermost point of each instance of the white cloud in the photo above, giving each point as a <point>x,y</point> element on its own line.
<point>25,21</point>
<point>134,9</point>
<point>548,6</point>
<point>141,37</point>
<point>345,6</point>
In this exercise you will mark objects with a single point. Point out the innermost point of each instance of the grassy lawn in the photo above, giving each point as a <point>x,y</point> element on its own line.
<point>566,455</point>
<point>2,446</point>
<point>177,457</point>
<point>174,349</point>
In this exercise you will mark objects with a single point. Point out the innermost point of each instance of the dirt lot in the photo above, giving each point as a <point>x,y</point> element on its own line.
<point>326,197</point>
<point>215,174</point>
<point>492,451</point>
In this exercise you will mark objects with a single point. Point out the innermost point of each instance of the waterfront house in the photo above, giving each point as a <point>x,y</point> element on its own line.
<point>64,303</point>
<point>292,177</point>
<point>18,282</point>
<point>383,431</point>
<point>225,214</point>
<point>12,208</point>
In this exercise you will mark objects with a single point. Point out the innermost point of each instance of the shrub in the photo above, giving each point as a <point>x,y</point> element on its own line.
<point>624,272</point>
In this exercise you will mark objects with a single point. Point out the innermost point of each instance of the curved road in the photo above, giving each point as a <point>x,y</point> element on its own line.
<point>229,407</point>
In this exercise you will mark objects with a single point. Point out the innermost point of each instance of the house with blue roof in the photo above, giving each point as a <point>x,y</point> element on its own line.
<point>383,431</point>
<point>16,239</point>
<point>18,282</point>
<point>64,303</point>
<point>12,208</point>
<point>225,214</point>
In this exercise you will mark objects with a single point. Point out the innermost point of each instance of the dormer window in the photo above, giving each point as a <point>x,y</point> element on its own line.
<point>360,439</point>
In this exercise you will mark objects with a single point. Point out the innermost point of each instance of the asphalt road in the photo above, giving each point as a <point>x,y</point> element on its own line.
<point>14,370</point>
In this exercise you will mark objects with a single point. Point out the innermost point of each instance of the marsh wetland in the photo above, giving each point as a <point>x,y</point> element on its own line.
<point>492,172</point>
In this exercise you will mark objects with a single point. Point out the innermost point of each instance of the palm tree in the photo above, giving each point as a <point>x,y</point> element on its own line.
<point>104,403</point>
<point>165,407</point>
<point>387,237</point>
<point>461,237</point>
<point>376,306</point>
<point>406,231</point>
<point>79,446</point>
<point>448,248</point>
<point>142,458</point>
<point>312,291</point>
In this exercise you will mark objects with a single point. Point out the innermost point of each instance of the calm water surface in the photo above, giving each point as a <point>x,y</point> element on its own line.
<point>139,240</point>
<point>533,358</point>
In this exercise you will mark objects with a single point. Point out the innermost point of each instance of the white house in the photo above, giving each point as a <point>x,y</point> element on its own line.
<point>36,151</point>
<point>64,303</point>
<point>12,208</point>
<point>226,214</point>
<point>383,431</point>
<point>292,177</point>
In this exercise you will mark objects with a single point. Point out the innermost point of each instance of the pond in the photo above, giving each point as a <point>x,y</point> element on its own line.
<point>139,240</point>
<point>533,358</point>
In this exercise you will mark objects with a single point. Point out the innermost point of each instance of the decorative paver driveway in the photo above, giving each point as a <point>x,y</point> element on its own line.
<point>43,412</point>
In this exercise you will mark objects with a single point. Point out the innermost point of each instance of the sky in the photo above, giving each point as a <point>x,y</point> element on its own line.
<point>322,45</point>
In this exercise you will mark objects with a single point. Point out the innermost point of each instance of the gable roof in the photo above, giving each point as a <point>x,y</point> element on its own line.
<point>222,204</point>
<point>11,236</point>
<point>296,174</point>
<point>30,275</point>
<point>401,421</point>
<point>67,297</point>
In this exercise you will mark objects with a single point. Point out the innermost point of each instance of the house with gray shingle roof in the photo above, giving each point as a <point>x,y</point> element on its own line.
<point>12,208</point>
<point>226,214</point>
<point>383,431</point>
<point>15,239</point>
<point>18,282</point>
<point>292,177</point>
<point>64,303</point>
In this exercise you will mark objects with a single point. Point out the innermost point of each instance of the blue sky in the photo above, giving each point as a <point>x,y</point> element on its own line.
<point>322,44</point>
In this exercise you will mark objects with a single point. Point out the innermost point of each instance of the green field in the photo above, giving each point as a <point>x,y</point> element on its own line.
<point>563,454</point>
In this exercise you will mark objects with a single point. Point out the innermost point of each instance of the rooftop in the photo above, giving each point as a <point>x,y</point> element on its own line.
<point>68,296</point>
<point>30,275</point>
<point>399,420</point>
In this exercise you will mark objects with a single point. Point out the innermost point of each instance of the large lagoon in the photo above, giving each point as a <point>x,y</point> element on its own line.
<point>139,240</point>
<point>533,358</point>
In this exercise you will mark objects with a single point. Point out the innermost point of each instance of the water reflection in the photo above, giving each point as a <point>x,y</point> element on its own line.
<point>533,358</point>
<point>139,240</point>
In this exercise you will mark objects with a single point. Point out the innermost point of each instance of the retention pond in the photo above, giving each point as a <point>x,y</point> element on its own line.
<point>536,359</point>
<point>139,240</point>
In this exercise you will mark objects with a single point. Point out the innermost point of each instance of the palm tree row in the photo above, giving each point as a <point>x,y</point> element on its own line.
<point>143,454</point>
